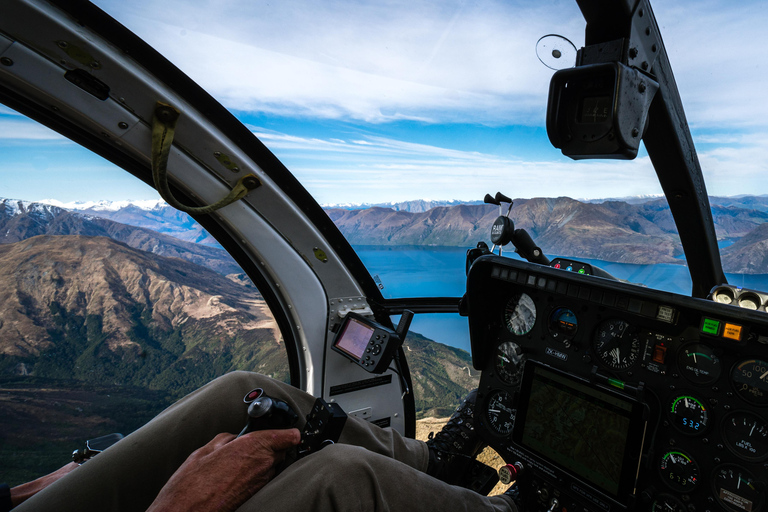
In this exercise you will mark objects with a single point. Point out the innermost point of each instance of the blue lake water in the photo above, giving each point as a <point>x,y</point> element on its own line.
<point>439,272</point>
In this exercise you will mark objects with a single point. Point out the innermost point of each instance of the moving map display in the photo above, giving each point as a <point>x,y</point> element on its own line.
<point>584,430</point>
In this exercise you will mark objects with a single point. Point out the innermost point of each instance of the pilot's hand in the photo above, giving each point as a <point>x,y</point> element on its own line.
<point>21,493</point>
<point>226,472</point>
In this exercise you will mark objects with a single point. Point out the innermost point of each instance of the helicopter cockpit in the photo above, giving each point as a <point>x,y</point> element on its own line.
<point>599,394</point>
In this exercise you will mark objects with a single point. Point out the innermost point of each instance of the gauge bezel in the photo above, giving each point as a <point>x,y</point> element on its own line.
<point>739,392</point>
<point>757,507</point>
<point>695,379</point>
<point>517,298</point>
<point>501,373</point>
<point>669,498</point>
<point>557,334</point>
<point>677,487</point>
<point>698,399</point>
<point>726,442</point>
<point>486,417</point>
<point>634,351</point>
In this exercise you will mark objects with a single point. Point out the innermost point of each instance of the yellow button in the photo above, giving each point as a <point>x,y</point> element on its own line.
<point>732,331</point>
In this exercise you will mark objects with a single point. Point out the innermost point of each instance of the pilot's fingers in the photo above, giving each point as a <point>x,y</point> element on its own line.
<point>215,443</point>
<point>273,440</point>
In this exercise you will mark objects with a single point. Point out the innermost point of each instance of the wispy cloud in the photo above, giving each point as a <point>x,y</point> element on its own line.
<point>18,128</point>
<point>372,61</point>
<point>366,168</point>
<point>450,61</point>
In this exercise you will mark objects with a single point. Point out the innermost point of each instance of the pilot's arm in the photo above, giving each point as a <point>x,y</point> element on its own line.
<point>226,472</point>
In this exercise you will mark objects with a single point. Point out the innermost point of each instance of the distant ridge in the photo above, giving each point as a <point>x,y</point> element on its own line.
<point>20,220</point>
<point>626,230</point>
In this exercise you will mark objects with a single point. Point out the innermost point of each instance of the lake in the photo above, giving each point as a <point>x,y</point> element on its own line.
<point>414,271</point>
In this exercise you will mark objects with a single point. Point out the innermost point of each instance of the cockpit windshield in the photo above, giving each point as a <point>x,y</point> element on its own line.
<point>400,117</point>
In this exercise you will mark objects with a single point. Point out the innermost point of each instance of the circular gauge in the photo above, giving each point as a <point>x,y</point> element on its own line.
<point>723,295</point>
<point>749,301</point>
<point>520,314</point>
<point>667,503</point>
<point>689,414</point>
<point>679,471</point>
<point>699,364</point>
<point>563,324</point>
<point>750,380</point>
<point>500,413</point>
<point>509,362</point>
<point>616,344</point>
<point>735,488</point>
<point>746,435</point>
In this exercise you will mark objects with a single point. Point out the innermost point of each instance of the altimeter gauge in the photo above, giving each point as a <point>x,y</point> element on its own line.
<point>616,344</point>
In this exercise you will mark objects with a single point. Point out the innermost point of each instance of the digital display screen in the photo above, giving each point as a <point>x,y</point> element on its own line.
<point>355,338</point>
<point>582,429</point>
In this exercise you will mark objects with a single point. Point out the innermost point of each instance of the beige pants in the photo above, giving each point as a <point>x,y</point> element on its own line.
<point>371,469</point>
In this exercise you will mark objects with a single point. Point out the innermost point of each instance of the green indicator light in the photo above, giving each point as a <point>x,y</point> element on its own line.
<point>616,383</point>
<point>711,326</point>
<point>582,271</point>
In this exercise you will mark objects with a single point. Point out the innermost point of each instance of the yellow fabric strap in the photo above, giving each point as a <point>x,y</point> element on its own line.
<point>163,129</point>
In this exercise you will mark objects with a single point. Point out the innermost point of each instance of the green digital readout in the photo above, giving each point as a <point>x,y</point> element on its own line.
<point>710,326</point>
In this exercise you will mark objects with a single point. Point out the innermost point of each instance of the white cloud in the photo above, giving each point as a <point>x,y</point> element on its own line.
<point>18,128</point>
<point>443,61</point>
<point>372,168</point>
<point>374,61</point>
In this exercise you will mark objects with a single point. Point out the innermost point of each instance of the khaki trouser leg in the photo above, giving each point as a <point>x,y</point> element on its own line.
<point>128,476</point>
<point>342,478</point>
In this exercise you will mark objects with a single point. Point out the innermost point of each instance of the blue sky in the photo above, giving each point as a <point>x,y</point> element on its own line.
<point>394,100</point>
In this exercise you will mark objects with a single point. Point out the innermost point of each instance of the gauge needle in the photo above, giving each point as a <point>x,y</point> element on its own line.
<point>762,377</point>
<point>752,429</point>
<point>694,358</point>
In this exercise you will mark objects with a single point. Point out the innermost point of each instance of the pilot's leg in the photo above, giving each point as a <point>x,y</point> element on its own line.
<point>342,478</point>
<point>129,475</point>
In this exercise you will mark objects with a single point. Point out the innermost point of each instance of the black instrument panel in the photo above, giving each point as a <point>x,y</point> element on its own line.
<point>700,370</point>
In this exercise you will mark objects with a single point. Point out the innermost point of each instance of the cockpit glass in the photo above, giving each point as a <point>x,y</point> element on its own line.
<point>400,119</point>
<point>401,110</point>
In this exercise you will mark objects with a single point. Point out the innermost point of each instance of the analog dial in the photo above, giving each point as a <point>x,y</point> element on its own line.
<point>500,413</point>
<point>679,471</point>
<point>520,314</point>
<point>750,380</point>
<point>699,364</point>
<point>746,435</point>
<point>667,503</point>
<point>689,414</point>
<point>736,488</point>
<point>616,344</point>
<point>509,362</point>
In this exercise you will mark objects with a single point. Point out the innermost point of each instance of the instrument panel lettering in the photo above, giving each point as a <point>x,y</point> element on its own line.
<point>556,353</point>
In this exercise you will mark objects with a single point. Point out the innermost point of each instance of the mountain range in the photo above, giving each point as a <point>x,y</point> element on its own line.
<point>20,220</point>
<point>642,233</point>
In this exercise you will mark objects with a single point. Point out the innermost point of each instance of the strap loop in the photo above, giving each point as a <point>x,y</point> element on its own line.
<point>163,129</point>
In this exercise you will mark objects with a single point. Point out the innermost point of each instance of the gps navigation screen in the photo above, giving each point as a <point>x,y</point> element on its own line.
<point>585,430</point>
<point>355,338</point>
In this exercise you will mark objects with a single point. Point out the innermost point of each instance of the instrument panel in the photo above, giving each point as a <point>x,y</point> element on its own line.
<point>697,368</point>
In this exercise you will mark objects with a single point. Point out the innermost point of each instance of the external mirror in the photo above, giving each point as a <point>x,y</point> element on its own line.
<point>599,110</point>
